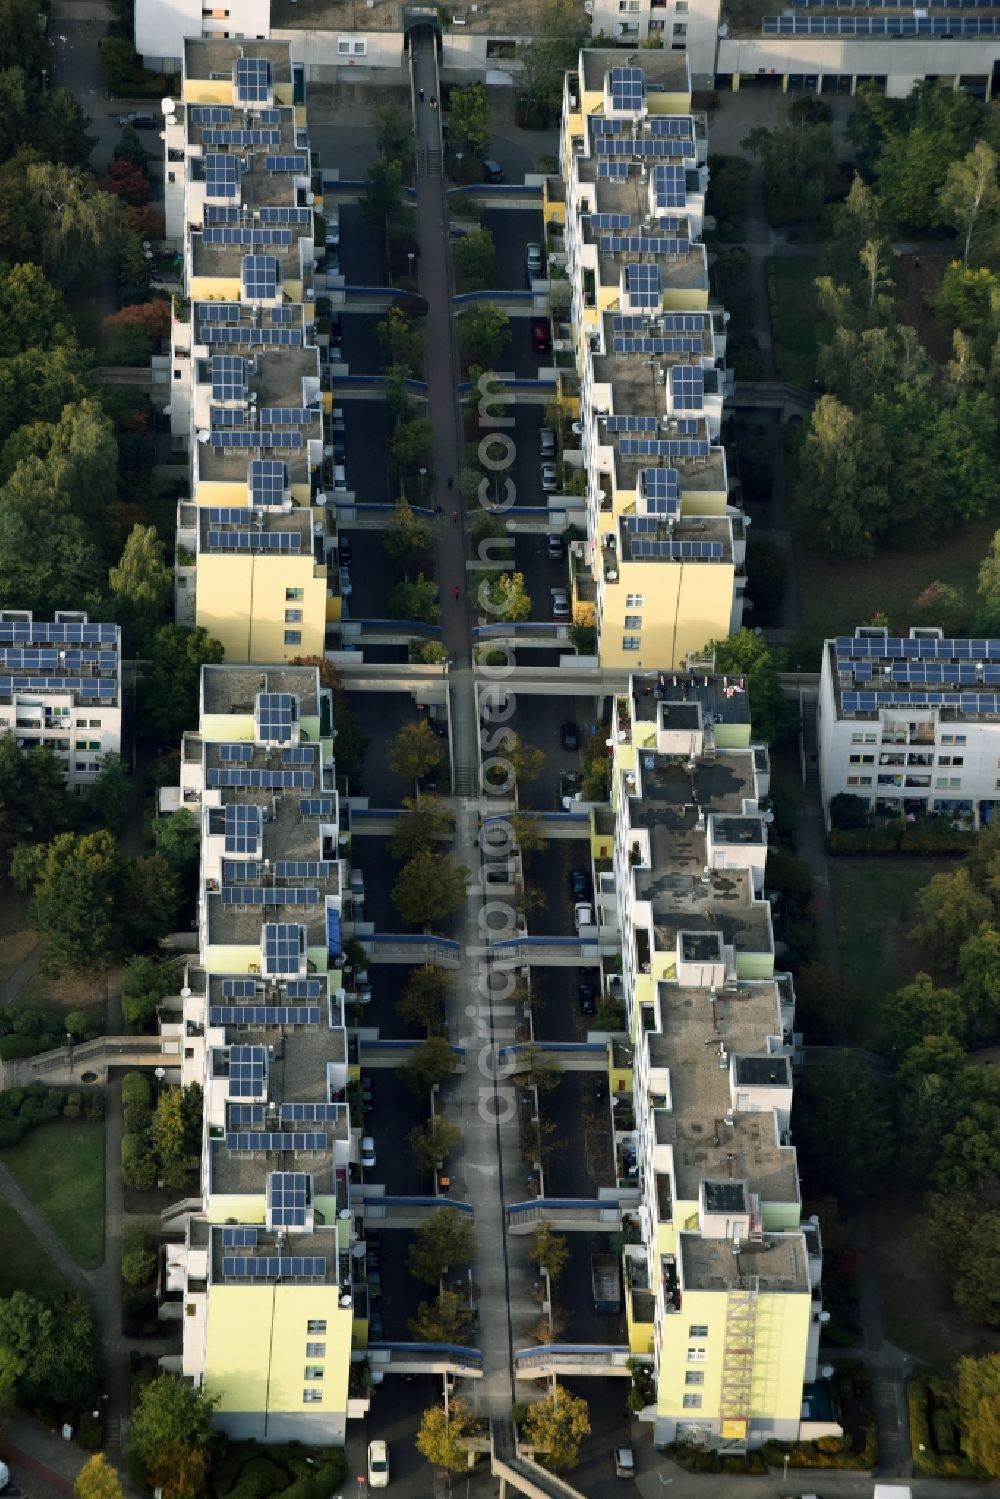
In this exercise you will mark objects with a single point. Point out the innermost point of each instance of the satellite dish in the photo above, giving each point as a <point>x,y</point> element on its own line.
<point>827,1371</point>
<point>204,436</point>
<point>168,106</point>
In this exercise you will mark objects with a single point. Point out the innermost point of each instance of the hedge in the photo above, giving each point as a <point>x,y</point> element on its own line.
<point>827,1452</point>
<point>900,838</point>
<point>934,1429</point>
<point>701,1460</point>
<point>21,1109</point>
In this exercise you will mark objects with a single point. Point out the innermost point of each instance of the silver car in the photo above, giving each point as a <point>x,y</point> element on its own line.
<point>550,477</point>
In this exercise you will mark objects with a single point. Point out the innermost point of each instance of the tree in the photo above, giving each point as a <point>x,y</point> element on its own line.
<point>934,128</point>
<point>424,823</point>
<point>550,1249</point>
<point>842,471</point>
<point>411,445</point>
<point>442,1240</point>
<point>423,998</point>
<point>32,313</point>
<point>75,884</point>
<point>536,1069</point>
<point>444,1320</point>
<point>414,752</point>
<point>169,1135</point>
<point>988,587</point>
<point>483,334</point>
<point>826,1004</point>
<point>407,532</point>
<point>171,682</point>
<point>169,1432</point>
<point>430,1143</point>
<point>528,832</point>
<point>979,971</point>
<point>504,597</point>
<point>178,838</point>
<point>748,655</point>
<point>414,598</point>
<point>401,342</point>
<point>382,198</point>
<point>393,133</point>
<point>469,117</point>
<point>528,760</point>
<point>139,1165</point>
<point>475,260</point>
<point>919,1009</point>
<point>107,801</point>
<point>33,800</point>
<point>799,162</point>
<point>141,581</point>
<point>443,1433</point>
<point>559,29</point>
<point>429,888</point>
<point>76,226</point>
<point>951,910</point>
<point>151,899</point>
<point>555,1426</point>
<point>145,982</point>
<point>138,1263</point>
<point>55,1346</point>
<point>430,1063</point>
<point>97,1479</point>
<point>843,1103</point>
<point>875,267</point>
<point>931,1097</point>
<point>977,1391</point>
<point>976,1284</point>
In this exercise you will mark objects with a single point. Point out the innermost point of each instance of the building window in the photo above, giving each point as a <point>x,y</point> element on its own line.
<point>633,621</point>
<point>681,8</point>
<point>313,1371</point>
<point>680,28</point>
<point>630,642</point>
<point>312,1397</point>
<point>694,1376</point>
<point>948,783</point>
<point>294,595</point>
<point>293,616</point>
<point>859,780</point>
<point>316,1328</point>
<point>351,46</point>
<point>692,1402</point>
<point>315,1350</point>
<point>697,1330</point>
<point>191,1310</point>
<point>293,637</point>
<point>951,759</point>
<point>862,759</point>
<point>657,25</point>
<point>697,1355</point>
<point>634,601</point>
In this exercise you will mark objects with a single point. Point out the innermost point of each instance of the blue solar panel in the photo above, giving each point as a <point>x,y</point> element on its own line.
<point>627,88</point>
<point>248,1115</point>
<point>286,416</point>
<point>616,170</point>
<point>245,439</point>
<point>304,988</point>
<point>62,633</point>
<point>677,551</point>
<point>630,423</point>
<point>239,1238</point>
<point>283,946</point>
<point>316,806</point>
<point>668,186</point>
<point>247,1070</point>
<point>228,418</point>
<point>244,828</point>
<point>661,490</point>
<point>274,1267</point>
<point>641,244</point>
<point>238,752</point>
<point>654,148</point>
<point>240,872</point>
<point>219,213</point>
<point>210,114</point>
<point>253,80</point>
<point>267,481</point>
<point>242,137</point>
<point>217,312</point>
<point>610,220</point>
<point>259,276</point>
<point>288,1194</point>
<point>663,447</point>
<point>286,163</point>
<point>228,515</point>
<point>270,895</point>
<point>687,387</point>
<point>642,285</point>
<point>629,322</point>
<point>263,1015</point>
<point>281,542</point>
<point>214,334</point>
<point>270,779</point>
<point>276,214</point>
<point>276,712</point>
<point>239,988</point>
<point>681,127</point>
<point>222,175</point>
<point>238,235</point>
<point>309,1113</point>
<point>228,377</point>
<point>300,754</point>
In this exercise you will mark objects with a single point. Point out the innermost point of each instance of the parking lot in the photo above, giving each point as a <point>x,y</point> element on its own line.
<point>556,1011</point>
<point>372,856</point>
<point>538,719</point>
<point>548,871</point>
<point>387,982</point>
<point>396,1111</point>
<point>362,262</point>
<point>400,1293</point>
<point>382,715</point>
<point>573,1299</point>
<point>580,1160</point>
<point>366,435</point>
<point>361,348</point>
<point>373,574</point>
<point>512,229</point>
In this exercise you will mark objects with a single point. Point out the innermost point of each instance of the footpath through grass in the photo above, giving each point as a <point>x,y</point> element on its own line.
<point>60,1167</point>
<point>792,295</point>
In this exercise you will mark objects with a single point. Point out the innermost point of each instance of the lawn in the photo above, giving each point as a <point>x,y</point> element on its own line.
<point>793,316</point>
<point>24,1265</point>
<point>60,1166</point>
<point>873,909</point>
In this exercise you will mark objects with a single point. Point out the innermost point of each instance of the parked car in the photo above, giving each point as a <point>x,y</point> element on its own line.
<point>588,1002</point>
<point>556,547</point>
<point>547,442</point>
<point>583,914</point>
<point>560,603</point>
<point>533,260</point>
<point>378,1465</point>
<point>368,1153</point>
<point>367,1091</point>
<point>344,549</point>
<point>139,119</point>
<point>570,735</point>
<point>624,1462</point>
<point>541,335</point>
<point>550,477</point>
<point>492,170</point>
<point>346,586</point>
<point>579,884</point>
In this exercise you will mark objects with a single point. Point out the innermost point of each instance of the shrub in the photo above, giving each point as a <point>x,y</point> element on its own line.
<point>138,1265</point>
<point>138,1163</point>
<point>136,1089</point>
<point>12,1047</point>
<point>71,1110</point>
<point>89,1432</point>
<point>11,1131</point>
<point>93,1104</point>
<point>140,1312</point>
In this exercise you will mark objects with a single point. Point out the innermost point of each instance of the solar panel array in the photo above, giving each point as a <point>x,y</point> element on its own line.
<point>287,1198</point>
<point>239,1238</point>
<point>241,438</point>
<point>627,88</point>
<point>253,80</point>
<point>630,423</point>
<point>234,775</point>
<point>300,754</point>
<point>237,752</point>
<point>267,480</point>
<point>222,175</point>
<point>975,704</point>
<point>286,163</point>
<point>684,322</point>
<point>270,895</point>
<point>316,806</point>
<point>210,114</point>
<point>244,828</point>
<point>229,417</point>
<point>304,988</point>
<point>275,1267</point>
<point>642,285</point>
<point>220,213</point>
<point>610,220</point>
<point>668,186</point>
<point>237,137</point>
<point>83,687</point>
<point>275,713</point>
<point>259,275</point>
<point>663,447</point>
<point>287,416</point>
<point>302,869</point>
<point>642,244</point>
<point>248,1114</point>
<point>942,26</point>
<point>263,1015</point>
<point>687,387</point>
<point>929,648</point>
<point>283,946</point>
<point>655,148</point>
<point>660,488</point>
<point>309,1113</point>
<point>239,988</point>
<point>254,541</point>
<point>228,377</point>
<point>677,551</point>
<point>275,214</point>
<point>655,344</point>
<point>616,170</point>
<point>269,116</point>
<point>214,334</point>
<point>237,235</point>
<point>218,312</point>
<point>38,632</point>
<point>247,1070</point>
<point>47,658</point>
<point>240,872</point>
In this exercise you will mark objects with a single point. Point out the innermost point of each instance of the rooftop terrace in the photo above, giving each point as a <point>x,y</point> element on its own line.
<point>778,1264</point>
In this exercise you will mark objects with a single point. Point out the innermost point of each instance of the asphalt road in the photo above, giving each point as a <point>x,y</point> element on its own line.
<point>388,981</point>
<point>573,1299</point>
<point>538,720</point>
<point>372,855</point>
<point>362,262</point>
<point>548,871</point>
<point>541,573</point>
<point>397,1110</point>
<point>512,229</point>
<point>382,715</point>
<point>373,574</point>
<point>360,346</point>
<point>579,1158</point>
<point>556,1012</point>
<point>366,435</point>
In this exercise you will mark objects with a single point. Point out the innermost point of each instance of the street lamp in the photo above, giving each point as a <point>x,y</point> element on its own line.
<point>784,1471</point>
<point>411,257</point>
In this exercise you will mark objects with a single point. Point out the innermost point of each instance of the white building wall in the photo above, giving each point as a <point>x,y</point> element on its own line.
<point>90,731</point>
<point>903,62</point>
<point>162,25</point>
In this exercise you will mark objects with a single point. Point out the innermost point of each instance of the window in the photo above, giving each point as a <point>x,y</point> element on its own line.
<point>697,1355</point>
<point>293,637</point>
<point>314,1327</point>
<point>694,1376</point>
<point>313,1371</point>
<point>293,616</point>
<point>859,781</point>
<point>191,1309</point>
<point>697,1330</point>
<point>315,1350</point>
<point>863,738</point>
<point>634,601</point>
<point>294,595</point>
<point>681,8</point>
<point>951,759</point>
<point>948,783</point>
<point>680,29</point>
<point>657,25</point>
<point>633,621</point>
<point>862,759</point>
<point>351,46</point>
<point>630,642</point>
<point>312,1397</point>
<point>692,1402</point>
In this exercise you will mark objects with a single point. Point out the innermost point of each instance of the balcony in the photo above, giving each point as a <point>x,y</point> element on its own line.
<point>669,1283</point>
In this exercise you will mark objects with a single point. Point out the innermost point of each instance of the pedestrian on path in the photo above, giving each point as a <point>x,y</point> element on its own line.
<point>454,516</point>
<point>451,482</point>
<point>455,590</point>
<point>434,102</point>
<point>420,95</point>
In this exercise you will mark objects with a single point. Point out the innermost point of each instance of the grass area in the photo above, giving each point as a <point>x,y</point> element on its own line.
<point>24,1265</point>
<point>60,1166</point>
<point>793,316</point>
<point>837,593</point>
<point>873,911</point>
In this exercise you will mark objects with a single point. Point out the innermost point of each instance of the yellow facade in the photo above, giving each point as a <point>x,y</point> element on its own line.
<point>685,605</point>
<point>255,1356</point>
<point>244,600</point>
<point>205,288</point>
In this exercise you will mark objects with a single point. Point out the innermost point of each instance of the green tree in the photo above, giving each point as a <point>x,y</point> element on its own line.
<point>177,837</point>
<point>57,1347</point>
<point>469,117</point>
<point>977,1391</point>
<point>483,334</point>
<point>414,752</point>
<point>555,1426</point>
<point>169,1136</point>
<point>75,884</point>
<point>168,698</point>
<point>138,1263</point>
<point>141,581</point>
<point>429,888</point>
<point>536,1069</point>
<point>393,133</point>
<point>799,161</point>
<point>528,832</point>
<point>988,587</point>
<point>145,983</point>
<point>97,1479</point>
<point>475,260</point>
<point>411,445</point>
<point>934,128</point>
<point>423,824</point>
<point>429,1064</point>
<point>76,226</point>
<point>414,598</point>
<point>170,1424</point>
<point>401,342</point>
<point>748,655</point>
<point>192,1117</point>
<point>976,1283</point>
<point>970,196</point>
<point>33,800</point>
<point>62,129</point>
<point>32,313</point>
<point>444,1433</point>
<point>932,1094</point>
<point>979,971</point>
<point>138,1161</point>
<point>23,43</point>
<point>382,198</point>
<point>559,29</point>
<point>919,1009</point>
<point>842,491</point>
<point>504,597</point>
<point>423,998</point>
<point>443,1240</point>
<point>107,801</point>
<point>446,1319</point>
<point>842,1102</point>
<point>970,299</point>
<point>150,901</point>
<point>550,1249</point>
<point>431,1142</point>
<point>951,910</point>
<point>826,1003</point>
<point>407,532</point>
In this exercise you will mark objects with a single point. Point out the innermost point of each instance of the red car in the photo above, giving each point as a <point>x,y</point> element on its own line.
<point>541,335</point>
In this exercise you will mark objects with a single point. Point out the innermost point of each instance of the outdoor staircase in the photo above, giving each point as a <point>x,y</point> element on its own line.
<point>737,1362</point>
<point>429,162</point>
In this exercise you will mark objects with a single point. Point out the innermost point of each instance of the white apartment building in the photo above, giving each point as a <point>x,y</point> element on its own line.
<point>911,725</point>
<point>61,687</point>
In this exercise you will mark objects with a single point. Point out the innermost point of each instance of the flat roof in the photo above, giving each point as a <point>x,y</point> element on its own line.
<point>206,58</point>
<point>922,676</point>
<point>665,72</point>
<point>296,522</point>
<point>320,1245</point>
<point>701,532</point>
<point>657,695</point>
<point>232,688</point>
<point>777,1264</point>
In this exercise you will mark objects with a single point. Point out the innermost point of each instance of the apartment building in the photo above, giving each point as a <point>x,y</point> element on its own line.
<point>662,569</point>
<point>723,1294</point>
<point>61,687</point>
<point>265,1274</point>
<point>249,396</point>
<point>911,725</point>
